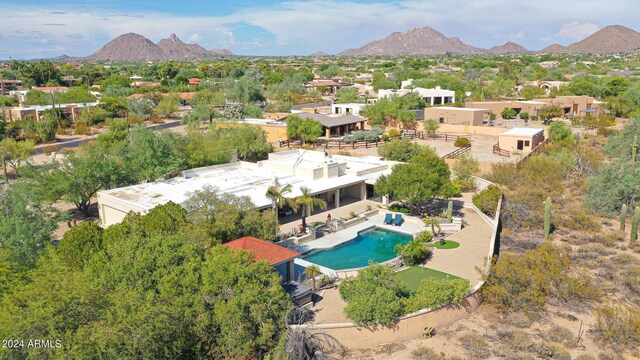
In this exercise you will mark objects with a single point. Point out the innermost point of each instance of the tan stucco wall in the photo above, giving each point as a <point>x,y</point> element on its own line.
<point>274,132</point>
<point>510,142</point>
<point>409,327</point>
<point>455,117</point>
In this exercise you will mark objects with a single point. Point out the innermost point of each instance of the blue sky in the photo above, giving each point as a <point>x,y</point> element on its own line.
<point>35,28</point>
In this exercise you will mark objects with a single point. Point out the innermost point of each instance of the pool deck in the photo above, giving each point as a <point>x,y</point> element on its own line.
<point>342,236</point>
<point>474,239</point>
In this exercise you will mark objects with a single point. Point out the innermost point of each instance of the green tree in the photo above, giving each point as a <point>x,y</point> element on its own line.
<point>80,175</point>
<point>308,203</point>
<point>167,106</point>
<point>426,176</point>
<point>549,112</point>
<point>529,92</point>
<point>141,108</point>
<point>246,90</point>
<point>487,200</point>
<point>168,69</point>
<point>276,193</point>
<point>75,95</point>
<point>13,153</point>
<point>401,149</point>
<point>381,81</point>
<point>348,95</point>
<point>41,73</point>
<point>375,296</point>
<point>26,222</point>
<point>92,115</point>
<point>204,149</point>
<point>431,127</point>
<point>150,155</point>
<point>249,141</point>
<point>559,131</point>
<point>207,105</point>
<point>248,304</point>
<point>312,271</point>
<point>305,129</point>
<point>80,243</point>
<point>508,113</point>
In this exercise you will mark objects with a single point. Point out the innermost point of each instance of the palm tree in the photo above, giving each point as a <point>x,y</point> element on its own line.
<point>306,201</point>
<point>277,194</point>
<point>312,271</point>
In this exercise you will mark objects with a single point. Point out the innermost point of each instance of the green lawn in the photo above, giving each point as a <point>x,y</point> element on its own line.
<point>449,244</point>
<point>413,275</point>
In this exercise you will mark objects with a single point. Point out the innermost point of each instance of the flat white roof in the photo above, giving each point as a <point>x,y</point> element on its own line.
<point>456,108</point>
<point>531,102</point>
<point>522,132</point>
<point>253,180</point>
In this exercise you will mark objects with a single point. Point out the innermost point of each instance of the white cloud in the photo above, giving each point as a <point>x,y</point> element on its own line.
<point>194,38</point>
<point>576,30</point>
<point>519,35</point>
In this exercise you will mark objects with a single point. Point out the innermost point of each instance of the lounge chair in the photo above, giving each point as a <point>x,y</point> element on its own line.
<point>388,219</point>
<point>398,220</point>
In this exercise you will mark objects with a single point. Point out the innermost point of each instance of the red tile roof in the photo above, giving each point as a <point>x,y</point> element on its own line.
<point>264,250</point>
<point>194,81</point>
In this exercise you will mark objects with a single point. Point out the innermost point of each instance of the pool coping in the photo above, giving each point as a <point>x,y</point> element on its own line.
<point>386,262</point>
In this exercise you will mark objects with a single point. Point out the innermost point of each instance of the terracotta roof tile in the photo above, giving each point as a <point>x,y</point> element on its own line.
<point>264,250</point>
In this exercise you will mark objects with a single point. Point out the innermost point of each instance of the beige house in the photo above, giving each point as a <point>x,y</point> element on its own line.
<point>520,139</point>
<point>457,116</point>
<point>572,105</point>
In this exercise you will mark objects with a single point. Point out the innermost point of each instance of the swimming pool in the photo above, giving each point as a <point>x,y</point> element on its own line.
<point>375,244</point>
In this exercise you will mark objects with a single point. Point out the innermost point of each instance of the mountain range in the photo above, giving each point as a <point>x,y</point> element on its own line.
<point>418,41</point>
<point>428,41</point>
<point>608,40</point>
<point>135,47</point>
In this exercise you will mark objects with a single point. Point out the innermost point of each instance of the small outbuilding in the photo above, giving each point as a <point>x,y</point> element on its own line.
<point>456,115</point>
<point>521,139</point>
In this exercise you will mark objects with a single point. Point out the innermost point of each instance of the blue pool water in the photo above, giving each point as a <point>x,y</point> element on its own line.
<point>375,244</point>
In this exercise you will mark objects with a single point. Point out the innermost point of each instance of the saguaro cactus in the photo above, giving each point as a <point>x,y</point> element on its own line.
<point>634,148</point>
<point>634,225</point>
<point>623,217</point>
<point>450,211</point>
<point>547,218</point>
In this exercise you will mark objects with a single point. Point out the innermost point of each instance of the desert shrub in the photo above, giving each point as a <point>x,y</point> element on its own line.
<point>425,353</point>
<point>585,357</point>
<point>393,133</point>
<point>375,296</point>
<point>508,113</point>
<point>577,219</point>
<point>462,142</point>
<point>399,150</point>
<point>425,236</point>
<point>414,252</point>
<point>524,115</point>
<point>399,208</point>
<point>434,293</point>
<point>559,131</point>
<point>82,129</point>
<point>561,335</point>
<point>618,326</point>
<point>615,184</point>
<point>519,320</point>
<point>384,137</point>
<point>476,345</point>
<point>487,200</point>
<point>527,282</point>
<point>503,173</point>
